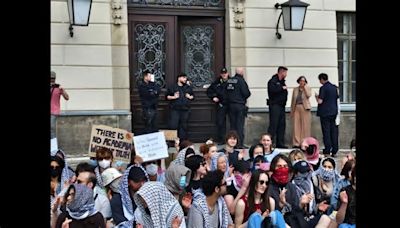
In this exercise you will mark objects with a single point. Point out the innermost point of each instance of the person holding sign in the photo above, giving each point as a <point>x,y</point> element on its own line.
<point>180,95</point>
<point>149,92</point>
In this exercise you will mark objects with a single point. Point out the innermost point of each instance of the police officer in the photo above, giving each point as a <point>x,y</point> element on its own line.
<point>277,93</point>
<point>217,92</point>
<point>180,94</point>
<point>237,94</point>
<point>149,92</point>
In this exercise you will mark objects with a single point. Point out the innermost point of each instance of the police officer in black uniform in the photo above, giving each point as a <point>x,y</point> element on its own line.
<point>217,92</point>
<point>149,92</point>
<point>277,93</point>
<point>237,94</point>
<point>180,95</point>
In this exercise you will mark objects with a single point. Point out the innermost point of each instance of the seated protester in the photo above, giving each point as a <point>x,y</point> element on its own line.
<point>324,180</point>
<point>235,184</point>
<point>296,155</point>
<point>104,157</point>
<point>220,161</point>
<point>85,175</point>
<point>231,141</point>
<point>346,215</point>
<point>310,148</point>
<point>111,178</point>
<point>285,195</point>
<point>343,181</point>
<point>80,209</point>
<point>182,155</point>
<point>177,178</point>
<point>158,207</point>
<point>122,204</point>
<point>197,166</point>
<point>254,151</point>
<point>153,168</point>
<point>269,151</point>
<point>258,161</point>
<point>209,208</point>
<point>208,150</point>
<point>256,199</point>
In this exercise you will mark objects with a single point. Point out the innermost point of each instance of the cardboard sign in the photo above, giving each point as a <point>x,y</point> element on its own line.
<point>151,146</point>
<point>170,134</point>
<point>119,141</point>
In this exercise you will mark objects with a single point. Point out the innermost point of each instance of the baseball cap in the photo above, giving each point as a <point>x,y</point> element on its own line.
<point>109,175</point>
<point>301,167</point>
<point>224,70</point>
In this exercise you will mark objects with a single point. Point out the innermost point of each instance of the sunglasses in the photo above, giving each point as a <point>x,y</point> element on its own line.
<point>54,167</point>
<point>263,182</point>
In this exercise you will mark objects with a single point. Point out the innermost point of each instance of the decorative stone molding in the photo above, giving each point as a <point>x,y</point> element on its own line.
<point>238,16</point>
<point>116,7</point>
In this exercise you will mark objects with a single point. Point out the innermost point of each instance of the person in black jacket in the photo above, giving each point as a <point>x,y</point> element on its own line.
<point>277,94</point>
<point>180,95</point>
<point>327,111</point>
<point>149,92</point>
<point>237,93</point>
<point>217,92</point>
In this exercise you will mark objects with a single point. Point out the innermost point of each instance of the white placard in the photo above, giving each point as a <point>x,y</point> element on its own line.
<point>151,146</point>
<point>53,145</point>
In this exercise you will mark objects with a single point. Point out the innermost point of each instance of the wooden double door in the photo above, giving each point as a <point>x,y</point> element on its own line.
<point>167,45</point>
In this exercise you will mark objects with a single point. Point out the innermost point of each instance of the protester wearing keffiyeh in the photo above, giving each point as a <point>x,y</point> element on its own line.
<point>200,203</point>
<point>127,205</point>
<point>162,206</point>
<point>82,204</point>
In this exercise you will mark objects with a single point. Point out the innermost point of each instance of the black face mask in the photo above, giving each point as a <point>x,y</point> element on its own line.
<point>147,210</point>
<point>55,172</point>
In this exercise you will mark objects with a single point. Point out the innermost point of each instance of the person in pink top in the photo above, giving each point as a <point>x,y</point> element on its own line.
<point>55,93</point>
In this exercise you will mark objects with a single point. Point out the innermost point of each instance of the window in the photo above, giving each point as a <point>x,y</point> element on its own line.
<point>346,35</point>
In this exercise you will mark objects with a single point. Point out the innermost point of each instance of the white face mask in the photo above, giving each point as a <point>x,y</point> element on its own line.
<point>115,185</point>
<point>104,163</point>
<point>152,169</point>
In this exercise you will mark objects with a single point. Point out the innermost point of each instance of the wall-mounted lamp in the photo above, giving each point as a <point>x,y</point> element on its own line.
<point>79,13</point>
<point>294,13</point>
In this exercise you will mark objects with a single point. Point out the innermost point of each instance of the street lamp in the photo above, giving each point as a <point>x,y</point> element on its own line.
<point>79,13</point>
<point>294,12</point>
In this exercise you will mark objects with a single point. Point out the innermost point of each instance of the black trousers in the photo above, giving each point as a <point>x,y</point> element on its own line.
<point>178,120</point>
<point>237,113</point>
<point>277,124</point>
<point>330,134</point>
<point>149,118</point>
<point>222,111</point>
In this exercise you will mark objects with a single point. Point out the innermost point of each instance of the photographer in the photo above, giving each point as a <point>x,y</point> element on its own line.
<point>310,147</point>
<point>55,93</point>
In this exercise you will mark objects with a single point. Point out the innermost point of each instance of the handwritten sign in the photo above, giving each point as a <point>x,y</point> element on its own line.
<point>119,141</point>
<point>170,134</point>
<point>53,146</point>
<point>151,146</point>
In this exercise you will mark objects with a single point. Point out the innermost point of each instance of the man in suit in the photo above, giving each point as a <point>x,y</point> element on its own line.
<point>327,111</point>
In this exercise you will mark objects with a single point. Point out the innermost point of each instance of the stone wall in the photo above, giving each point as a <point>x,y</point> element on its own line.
<point>73,131</point>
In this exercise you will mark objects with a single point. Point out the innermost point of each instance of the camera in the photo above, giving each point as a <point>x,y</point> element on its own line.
<point>310,149</point>
<point>55,85</point>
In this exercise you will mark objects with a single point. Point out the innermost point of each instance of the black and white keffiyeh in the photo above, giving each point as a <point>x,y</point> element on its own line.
<point>161,203</point>
<point>180,158</point>
<point>125,197</point>
<point>82,204</point>
<point>199,201</point>
<point>98,177</point>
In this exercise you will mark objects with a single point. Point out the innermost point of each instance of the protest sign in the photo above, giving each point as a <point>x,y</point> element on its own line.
<point>170,134</point>
<point>119,141</point>
<point>151,146</point>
